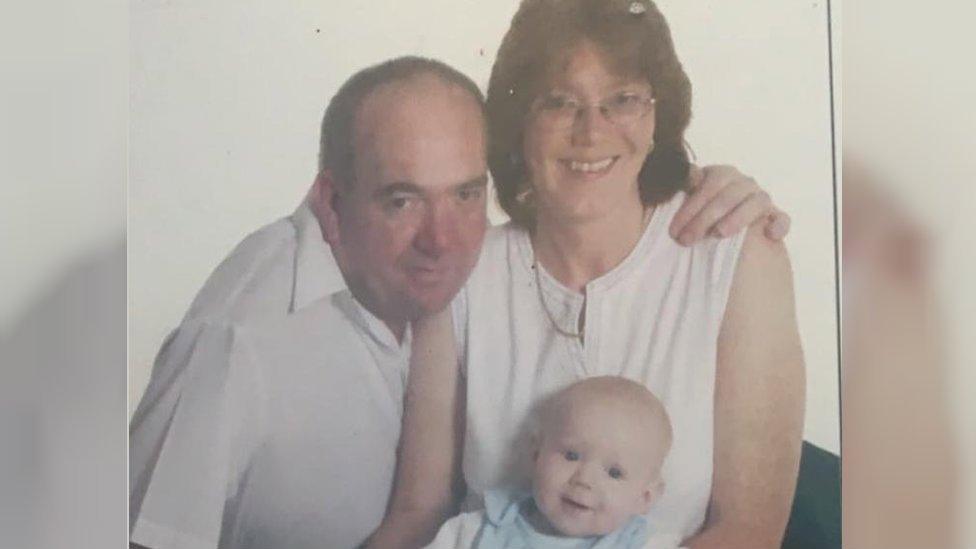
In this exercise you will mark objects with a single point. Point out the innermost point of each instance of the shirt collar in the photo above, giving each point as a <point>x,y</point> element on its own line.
<point>317,274</point>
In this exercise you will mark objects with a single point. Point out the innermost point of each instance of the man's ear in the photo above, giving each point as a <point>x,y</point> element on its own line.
<point>651,494</point>
<point>324,199</point>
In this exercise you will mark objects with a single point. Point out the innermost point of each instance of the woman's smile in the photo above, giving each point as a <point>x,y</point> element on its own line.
<point>598,167</point>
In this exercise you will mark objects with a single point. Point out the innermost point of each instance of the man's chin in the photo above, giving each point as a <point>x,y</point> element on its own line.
<point>431,301</point>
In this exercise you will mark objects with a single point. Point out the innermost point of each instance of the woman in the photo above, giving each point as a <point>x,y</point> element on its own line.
<point>587,108</point>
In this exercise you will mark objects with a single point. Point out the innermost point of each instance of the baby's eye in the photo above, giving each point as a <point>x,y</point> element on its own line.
<point>615,473</point>
<point>571,455</point>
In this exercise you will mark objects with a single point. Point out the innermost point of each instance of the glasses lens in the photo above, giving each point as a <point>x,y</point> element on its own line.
<point>626,107</point>
<point>556,111</point>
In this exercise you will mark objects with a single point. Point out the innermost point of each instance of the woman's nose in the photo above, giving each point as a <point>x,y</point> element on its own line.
<point>590,121</point>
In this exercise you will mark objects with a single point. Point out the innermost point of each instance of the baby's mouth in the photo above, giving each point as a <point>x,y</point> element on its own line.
<point>574,505</point>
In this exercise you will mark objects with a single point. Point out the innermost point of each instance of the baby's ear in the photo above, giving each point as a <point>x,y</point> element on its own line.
<point>651,494</point>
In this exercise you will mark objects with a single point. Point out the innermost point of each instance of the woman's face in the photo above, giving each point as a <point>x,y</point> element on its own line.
<point>582,165</point>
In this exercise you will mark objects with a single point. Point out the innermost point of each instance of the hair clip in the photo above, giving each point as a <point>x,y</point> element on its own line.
<point>637,8</point>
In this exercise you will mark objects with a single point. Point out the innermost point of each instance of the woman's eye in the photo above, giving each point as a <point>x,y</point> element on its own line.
<point>626,99</point>
<point>615,473</point>
<point>570,455</point>
<point>556,103</point>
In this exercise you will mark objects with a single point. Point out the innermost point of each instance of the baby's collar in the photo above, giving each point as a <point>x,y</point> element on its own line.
<point>502,505</point>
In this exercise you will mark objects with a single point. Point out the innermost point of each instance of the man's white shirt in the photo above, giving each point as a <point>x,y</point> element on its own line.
<point>273,413</point>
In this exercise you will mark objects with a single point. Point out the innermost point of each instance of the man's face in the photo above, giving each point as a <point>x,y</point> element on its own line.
<point>412,223</point>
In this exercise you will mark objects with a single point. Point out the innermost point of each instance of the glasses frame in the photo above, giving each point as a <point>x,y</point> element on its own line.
<point>565,117</point>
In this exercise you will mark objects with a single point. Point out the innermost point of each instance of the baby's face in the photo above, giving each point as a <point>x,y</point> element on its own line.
<point>595,469</point>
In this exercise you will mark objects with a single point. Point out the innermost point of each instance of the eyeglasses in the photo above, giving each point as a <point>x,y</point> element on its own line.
<point>557,111</point>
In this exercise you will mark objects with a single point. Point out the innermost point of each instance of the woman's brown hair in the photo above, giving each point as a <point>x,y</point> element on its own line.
<point>634,38</point>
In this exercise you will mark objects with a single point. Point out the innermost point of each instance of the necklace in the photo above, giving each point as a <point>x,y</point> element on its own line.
<point>580,332</point>
<point>545,307</point>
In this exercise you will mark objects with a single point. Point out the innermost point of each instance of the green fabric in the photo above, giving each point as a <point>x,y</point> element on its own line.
<point>815,517</point>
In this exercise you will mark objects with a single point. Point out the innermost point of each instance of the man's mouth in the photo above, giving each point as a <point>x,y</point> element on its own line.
<point>427,275</point>
<point>589,167</point>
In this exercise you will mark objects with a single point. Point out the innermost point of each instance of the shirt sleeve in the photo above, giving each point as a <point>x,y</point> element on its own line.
<point>459,532</point>
<point>724,261</point>
<point>191,438</point>
<point>663,541</point>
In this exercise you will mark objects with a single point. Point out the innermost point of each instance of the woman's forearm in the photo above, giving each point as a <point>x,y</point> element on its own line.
<point>733,536</point>
<point>408,529</point>
<point>428,462</point>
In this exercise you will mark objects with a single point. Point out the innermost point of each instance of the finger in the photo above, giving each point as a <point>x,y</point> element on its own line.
<point>695,176</point>
<point>720,206</point>
<point>714,180</point>
<point>757,207</point>
<point>778,225</point>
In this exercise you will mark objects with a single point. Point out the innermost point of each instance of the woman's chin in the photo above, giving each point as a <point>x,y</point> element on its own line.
<point>587,210</point>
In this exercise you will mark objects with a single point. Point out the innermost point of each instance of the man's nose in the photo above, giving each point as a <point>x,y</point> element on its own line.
<point>438,230</point>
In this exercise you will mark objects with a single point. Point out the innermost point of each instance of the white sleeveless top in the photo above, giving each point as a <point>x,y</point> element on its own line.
<point>654,318</point>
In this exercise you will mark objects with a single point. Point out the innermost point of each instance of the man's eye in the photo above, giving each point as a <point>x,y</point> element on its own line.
<point>398,203</point>
<point>615,473</point>
<point>469,194</point>
<point>571,455</point>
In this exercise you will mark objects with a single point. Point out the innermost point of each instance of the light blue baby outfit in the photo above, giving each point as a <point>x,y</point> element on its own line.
<point>505,527</point>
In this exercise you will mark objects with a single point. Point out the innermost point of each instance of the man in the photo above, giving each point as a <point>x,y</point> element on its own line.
<point>273,413</point>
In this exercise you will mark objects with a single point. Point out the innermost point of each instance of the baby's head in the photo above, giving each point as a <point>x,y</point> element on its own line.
<point>599,449</point>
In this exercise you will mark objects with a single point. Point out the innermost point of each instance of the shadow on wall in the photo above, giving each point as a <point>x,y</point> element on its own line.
<point>900,464</point>
<point>62,411</point>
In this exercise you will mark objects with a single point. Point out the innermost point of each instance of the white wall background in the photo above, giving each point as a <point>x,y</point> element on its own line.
<point>62,279</point>
<point>227,96</point>
<point>62,118</point>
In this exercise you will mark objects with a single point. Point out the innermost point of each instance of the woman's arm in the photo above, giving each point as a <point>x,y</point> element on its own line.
<point>759,405</point>
<point>428,475</point>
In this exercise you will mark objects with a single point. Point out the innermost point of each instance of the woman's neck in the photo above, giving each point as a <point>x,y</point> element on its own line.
<point>576,253</point>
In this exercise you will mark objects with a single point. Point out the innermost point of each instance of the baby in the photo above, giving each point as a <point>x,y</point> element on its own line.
<point>596,471</point>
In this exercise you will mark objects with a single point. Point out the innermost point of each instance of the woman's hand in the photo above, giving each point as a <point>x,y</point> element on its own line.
<point>723,201</point>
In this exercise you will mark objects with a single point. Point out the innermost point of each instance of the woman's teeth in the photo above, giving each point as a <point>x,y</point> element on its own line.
<point>590,167</point>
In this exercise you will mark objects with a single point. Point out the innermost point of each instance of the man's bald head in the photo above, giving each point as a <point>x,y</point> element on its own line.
<point>337,140</point>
